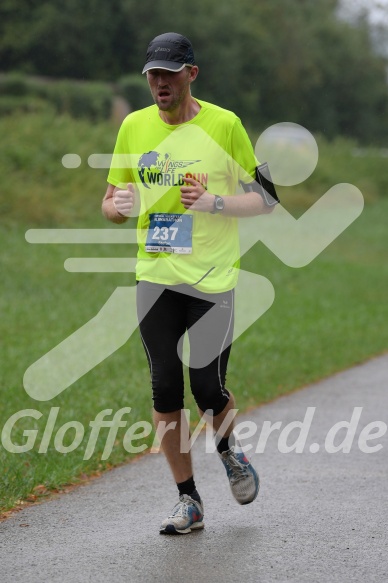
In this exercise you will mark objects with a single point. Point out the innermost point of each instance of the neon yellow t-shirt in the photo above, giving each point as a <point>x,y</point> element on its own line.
<point>213,148</point>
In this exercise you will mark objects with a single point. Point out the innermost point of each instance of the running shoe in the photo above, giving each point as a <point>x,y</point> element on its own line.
<point>187,515</point>
<point>243,478</point>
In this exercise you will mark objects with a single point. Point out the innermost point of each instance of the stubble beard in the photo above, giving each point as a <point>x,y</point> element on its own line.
<point>175,103</point>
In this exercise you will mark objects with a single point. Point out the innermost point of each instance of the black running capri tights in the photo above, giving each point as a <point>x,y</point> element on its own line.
<point>165,313</point>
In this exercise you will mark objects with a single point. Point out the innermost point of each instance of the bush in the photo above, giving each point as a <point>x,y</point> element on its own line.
<point>134,88</point>
<point>24,104</point>
<point>90,100</point>
<point>15,84</point>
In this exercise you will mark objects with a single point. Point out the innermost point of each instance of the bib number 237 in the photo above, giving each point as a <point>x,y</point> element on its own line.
<point>170,233</point>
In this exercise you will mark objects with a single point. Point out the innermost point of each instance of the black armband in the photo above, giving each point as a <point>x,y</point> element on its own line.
<point>263,185</point>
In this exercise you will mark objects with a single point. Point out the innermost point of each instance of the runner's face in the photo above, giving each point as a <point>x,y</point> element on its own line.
<point>169,89</point>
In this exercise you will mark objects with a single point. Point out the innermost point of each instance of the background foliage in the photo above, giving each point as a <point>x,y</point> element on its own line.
<point>268,61</point>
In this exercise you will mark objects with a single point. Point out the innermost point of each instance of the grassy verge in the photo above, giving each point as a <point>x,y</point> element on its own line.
<point>326,316</point>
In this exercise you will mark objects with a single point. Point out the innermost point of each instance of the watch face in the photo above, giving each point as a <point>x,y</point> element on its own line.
<point>219,204</point>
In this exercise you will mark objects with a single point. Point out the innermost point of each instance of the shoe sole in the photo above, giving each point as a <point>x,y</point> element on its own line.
<point>170,529</point>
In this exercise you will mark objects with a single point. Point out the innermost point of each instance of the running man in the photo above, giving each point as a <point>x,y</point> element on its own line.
<point>184,159</point>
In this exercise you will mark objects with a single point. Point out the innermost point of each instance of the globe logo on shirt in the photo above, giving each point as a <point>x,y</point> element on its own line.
<point>146,162</point>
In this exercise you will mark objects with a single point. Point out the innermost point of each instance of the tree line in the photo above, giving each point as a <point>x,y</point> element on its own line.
<point>269,61</point>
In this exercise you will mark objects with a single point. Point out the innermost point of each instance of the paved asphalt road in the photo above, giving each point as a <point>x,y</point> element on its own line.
<point>320,517</point>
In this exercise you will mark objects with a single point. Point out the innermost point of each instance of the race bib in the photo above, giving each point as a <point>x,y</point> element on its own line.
<point>170,233</point>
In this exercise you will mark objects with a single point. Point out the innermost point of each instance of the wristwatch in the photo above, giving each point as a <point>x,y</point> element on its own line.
<point>219,204</point>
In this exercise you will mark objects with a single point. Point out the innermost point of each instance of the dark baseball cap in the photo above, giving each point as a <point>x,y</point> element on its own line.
<point>169,51</point>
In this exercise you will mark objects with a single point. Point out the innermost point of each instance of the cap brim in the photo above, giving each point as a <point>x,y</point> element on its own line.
<point>167,65</point>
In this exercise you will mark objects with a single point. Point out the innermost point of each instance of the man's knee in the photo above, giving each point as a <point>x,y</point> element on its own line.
<point>210,397</point>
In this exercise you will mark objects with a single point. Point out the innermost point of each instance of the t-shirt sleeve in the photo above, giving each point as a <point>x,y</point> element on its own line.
<point>242,156</point>
<point>120,171</point>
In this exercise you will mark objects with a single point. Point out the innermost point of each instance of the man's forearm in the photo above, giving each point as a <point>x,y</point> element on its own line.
<point>195,197</point>
<point>245,205</point>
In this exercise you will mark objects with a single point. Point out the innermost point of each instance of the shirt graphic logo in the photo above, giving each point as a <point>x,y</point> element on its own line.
<point>162,170</point>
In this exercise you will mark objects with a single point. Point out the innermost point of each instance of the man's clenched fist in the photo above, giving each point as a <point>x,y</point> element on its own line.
<point>124,200</point>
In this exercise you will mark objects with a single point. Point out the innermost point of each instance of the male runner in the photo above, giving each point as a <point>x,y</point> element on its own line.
<point>183,159</point>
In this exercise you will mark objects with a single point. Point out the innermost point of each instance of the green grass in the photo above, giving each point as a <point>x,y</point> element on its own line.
<point>326,316</point>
